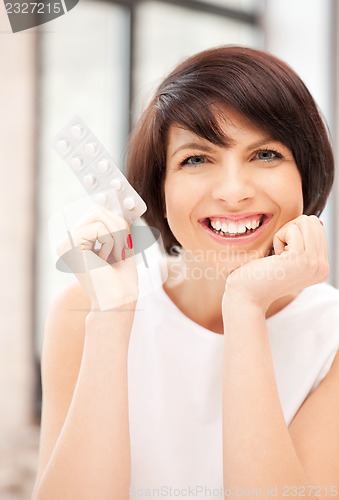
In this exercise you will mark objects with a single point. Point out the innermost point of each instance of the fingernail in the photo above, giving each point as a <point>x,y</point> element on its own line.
<point>123,254</point>
<point>129,241</point>
<point>321,222</point>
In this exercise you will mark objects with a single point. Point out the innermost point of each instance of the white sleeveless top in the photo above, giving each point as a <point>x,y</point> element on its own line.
<point>175,387</point>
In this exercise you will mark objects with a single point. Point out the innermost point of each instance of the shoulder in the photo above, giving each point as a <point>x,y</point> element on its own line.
<point>72,298</point>
<point>321,308</point>
<point>69,308</point>
<point>315,318</point>
<point>315,308</point>
<point>320,321</point>
<point>321,293</point>
<point>318,304</point>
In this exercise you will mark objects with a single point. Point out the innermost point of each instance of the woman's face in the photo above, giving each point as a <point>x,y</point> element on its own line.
<point>214,194</point>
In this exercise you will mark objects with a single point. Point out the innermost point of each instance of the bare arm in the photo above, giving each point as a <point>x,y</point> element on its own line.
<point>84,445</point>
<point>85,448</point>
<point>258,450</point>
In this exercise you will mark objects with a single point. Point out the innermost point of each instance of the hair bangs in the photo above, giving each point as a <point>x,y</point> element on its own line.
<point>193,114</point>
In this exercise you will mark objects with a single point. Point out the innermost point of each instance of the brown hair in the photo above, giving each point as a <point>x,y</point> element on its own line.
<point>254,83</point>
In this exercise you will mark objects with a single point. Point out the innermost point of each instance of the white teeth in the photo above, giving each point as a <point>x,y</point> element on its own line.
<point>248,224</point>
<point>241,228</point>
<point>234,227</point>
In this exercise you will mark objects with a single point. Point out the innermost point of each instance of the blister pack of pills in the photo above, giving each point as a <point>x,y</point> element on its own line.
<point>106,186</point>
<point>96,170</point>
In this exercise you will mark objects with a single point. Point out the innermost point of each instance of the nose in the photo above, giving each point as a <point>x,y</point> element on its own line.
<point>233,182</point>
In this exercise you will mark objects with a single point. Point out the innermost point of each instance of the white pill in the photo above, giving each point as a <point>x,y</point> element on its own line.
<point>76,131</point>
<point>101,199</point>
<point>129,203</point>
<point>91,148</point>
<point>116,184</point>
<point>103,166</point>
<point>89,181</point>
<point>76,163</point>
<point>63,146</point>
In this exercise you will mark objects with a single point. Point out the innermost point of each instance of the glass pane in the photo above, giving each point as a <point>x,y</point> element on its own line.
<point>245,5</point>
<point>158,50</point>
<point>84,72</point>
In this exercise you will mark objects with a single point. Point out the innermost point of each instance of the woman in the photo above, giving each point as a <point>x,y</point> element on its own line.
<point>224,382</point>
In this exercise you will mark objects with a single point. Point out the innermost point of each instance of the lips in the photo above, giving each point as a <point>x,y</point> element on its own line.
<point>236,238</point>
<point>230,226</point>
<point>238,217</point>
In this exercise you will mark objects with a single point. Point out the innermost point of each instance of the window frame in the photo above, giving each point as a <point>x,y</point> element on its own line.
<point>253,19</point>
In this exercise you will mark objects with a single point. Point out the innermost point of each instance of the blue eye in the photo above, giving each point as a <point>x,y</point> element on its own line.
<point>268,155</point>
<point>194,161</point>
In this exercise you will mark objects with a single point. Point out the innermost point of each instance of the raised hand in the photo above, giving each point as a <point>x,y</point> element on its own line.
<point>300,260</point>
<point>99,252</point>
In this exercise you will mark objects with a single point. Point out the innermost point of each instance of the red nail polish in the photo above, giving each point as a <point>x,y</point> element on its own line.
<point>321,222</point>
<point>129,241</point>
<point>123,254</point>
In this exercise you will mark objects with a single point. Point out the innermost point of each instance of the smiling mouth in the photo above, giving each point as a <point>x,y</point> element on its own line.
<point>237,234</point>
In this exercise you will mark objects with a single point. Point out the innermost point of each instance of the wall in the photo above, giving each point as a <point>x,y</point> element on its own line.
<point>17,91</point>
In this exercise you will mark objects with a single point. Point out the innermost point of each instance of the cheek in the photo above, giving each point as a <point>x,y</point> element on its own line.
<point>179,198</point>
<point>287,192</point>
<point>294,193</point>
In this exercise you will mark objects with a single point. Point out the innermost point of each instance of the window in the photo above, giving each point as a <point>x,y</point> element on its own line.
<point>165,34</point>
<point>83,72</point>
<point>101,61</point>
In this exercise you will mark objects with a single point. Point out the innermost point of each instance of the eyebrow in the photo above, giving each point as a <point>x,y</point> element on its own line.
<point>209,149</point>
<point>261,142</point>
<point>194,145</point>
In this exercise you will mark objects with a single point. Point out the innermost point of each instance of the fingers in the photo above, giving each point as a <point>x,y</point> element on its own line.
<point>315,243</point>
<point>314,235</point>
<point>305,237</point>
<point>288,239</point>
<point>114,237</point>
<point>86,236</point>
<point>111,220</point>
<point>102,227</point>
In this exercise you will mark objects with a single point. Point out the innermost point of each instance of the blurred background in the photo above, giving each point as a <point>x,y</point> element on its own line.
<point>102,60</point>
